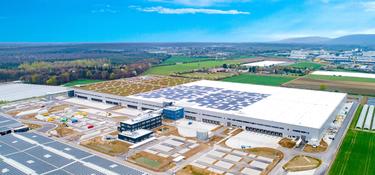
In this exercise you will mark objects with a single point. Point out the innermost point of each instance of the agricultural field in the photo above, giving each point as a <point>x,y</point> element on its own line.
<point>130,86</point>
<point>270,80</point>
<point>208,76</point>
<point>184,59</point>
<point>357,152</point>
<point>81,82</point>
<point>352,87</point>
<point>172,69</point>
<point>340,78</point>
<point>304,65</point>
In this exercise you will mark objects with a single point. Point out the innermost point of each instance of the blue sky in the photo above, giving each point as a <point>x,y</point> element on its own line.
<point>181,20</point>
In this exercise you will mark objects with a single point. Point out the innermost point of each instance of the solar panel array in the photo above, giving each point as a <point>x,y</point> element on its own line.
<point>210,97</point>
<point>371,101</point>
<point>362,117</point>
<point>8,123</point>
<point>43,155</point>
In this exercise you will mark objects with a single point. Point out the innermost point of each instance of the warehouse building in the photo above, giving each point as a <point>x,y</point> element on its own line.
<point>283,112</point>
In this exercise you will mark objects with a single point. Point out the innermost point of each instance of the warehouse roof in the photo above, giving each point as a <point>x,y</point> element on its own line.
<point>19,91</point>
<point>285,105</point>
<point>264,63</point>
<point>31,153</point>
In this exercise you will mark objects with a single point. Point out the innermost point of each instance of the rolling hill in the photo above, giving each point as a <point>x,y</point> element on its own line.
<point>359,39</point>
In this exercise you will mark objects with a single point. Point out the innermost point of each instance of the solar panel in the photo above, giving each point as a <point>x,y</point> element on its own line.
<point>6,149</point>
<point>79,169</point>
<point>216,98</point>
<point>112,166</point>
<point>6,169</point>
<point>36,137</point>
<point>44,161</point>
<point>31,162</point>
<point>79,154</point>
<point>15,142</point>
<point>58,172</point>
<point>8,122</point>
<point>49,157</point>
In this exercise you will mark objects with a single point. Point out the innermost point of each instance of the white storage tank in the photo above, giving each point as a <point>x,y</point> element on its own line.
<point>202,135</point>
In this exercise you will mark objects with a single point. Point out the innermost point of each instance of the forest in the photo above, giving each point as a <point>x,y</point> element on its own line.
<point>61,72</point>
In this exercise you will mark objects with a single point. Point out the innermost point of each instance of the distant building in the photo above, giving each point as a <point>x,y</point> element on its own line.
<point>368,54</point>
<point>299,54</point>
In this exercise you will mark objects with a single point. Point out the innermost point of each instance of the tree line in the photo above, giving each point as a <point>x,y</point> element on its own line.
<point>61,72</point>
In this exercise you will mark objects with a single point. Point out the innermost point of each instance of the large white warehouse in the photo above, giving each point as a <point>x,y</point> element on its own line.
<point>278,111</point>
<point>285,112</point>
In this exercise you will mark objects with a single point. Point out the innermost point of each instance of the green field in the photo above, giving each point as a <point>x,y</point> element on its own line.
<point>184,59</point>
<point>357,152</point>
<point>304,65</point>
<point>81,82</point>
<point>207,76</point>
<point>340,78</point>
<point>171,69</point>
<point>148,162</point>
<point>271,80</point>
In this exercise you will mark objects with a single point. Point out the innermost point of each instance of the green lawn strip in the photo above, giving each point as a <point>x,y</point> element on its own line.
<point>148,162</point>
<point>184,59</point>
<point>171,69</point>
<point>81,82</point>
<point>270,80</point>
<point>304,65</point>
<point>356,154</point>
<point>340,78</point>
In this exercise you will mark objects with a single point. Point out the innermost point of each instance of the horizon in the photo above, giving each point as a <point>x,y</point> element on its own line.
<point>169,21</point>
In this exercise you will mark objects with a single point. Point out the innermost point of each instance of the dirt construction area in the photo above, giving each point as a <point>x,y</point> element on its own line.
<point>352,87</point>
<point>302,163</point>
<point>112,148</point>
<point>320,148</point>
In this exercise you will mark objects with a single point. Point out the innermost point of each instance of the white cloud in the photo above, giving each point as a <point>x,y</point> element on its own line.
<point>199,3</point>
<point>369,6</point>
<point>164,10</point>
<point>104,9</point>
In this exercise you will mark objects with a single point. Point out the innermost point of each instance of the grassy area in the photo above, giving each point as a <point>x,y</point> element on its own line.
<point>152,161</point>
<point>340,78</point>
<point>148,162</point>
<point>304,65</point>
<point>260,79</point>
<point>357,152</point>
<point>208,76</point>
<point>171,69</point>
<point>184,59</point>
<point>81,82</point>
